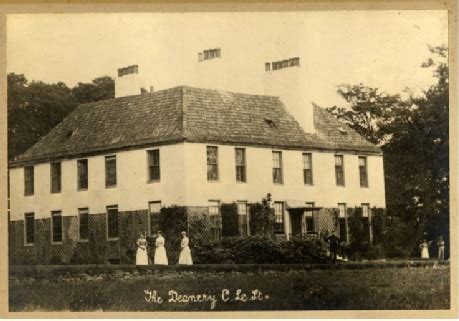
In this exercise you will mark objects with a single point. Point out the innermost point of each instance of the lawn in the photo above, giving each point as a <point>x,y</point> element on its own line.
<point>381,288</point>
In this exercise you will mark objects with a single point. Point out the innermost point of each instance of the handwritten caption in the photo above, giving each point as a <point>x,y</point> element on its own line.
<point>173,296</point>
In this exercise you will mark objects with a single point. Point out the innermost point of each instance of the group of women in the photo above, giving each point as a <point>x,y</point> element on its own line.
<point>160,257</point>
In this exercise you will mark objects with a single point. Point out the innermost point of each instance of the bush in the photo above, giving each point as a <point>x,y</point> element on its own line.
<point>261,250</point>
<point>230,220</point>
<point>172,221</point>
<point>261,220</point>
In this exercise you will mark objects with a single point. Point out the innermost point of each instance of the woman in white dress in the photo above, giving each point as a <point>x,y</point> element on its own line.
<point>424,250</point>
<point>185,254</point>
<point>141,257</point>
<point>160,253</point>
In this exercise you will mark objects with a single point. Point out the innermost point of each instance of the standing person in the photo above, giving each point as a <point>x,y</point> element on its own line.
<point>441,248</point>
<point>160,253</point>
<point>424,247</point>
<point>333,240</point>
<point>185,253</point>
<point>141,257</point>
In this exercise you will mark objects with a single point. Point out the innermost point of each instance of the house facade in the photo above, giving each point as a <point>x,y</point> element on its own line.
<point>85,191</point>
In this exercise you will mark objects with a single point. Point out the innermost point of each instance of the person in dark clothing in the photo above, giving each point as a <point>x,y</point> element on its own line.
<point>333,240</point>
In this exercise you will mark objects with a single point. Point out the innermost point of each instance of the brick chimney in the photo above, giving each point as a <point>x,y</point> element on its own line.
<point>286,79</point>
<point>129,82</point>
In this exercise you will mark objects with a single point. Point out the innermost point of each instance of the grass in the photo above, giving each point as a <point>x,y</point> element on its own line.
<point>364,289</point>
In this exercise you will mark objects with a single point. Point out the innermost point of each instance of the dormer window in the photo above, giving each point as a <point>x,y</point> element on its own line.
<point>270,123</point>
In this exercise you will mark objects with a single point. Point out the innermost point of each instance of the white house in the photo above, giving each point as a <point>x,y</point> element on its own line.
<point>111,165</point>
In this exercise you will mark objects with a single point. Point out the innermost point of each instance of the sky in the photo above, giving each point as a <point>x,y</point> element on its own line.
<point>383,49</point>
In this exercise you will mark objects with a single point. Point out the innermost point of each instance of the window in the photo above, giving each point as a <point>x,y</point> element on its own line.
<point>112,222</point>
<point>110,171</point>
<point>278,217</point>
<point>309,215</point>
<point>28,180</point>
<point>212,163</point>
<point>215,219</point>
<point>82,174</point>
<point>339,170</point>
<point>29,228</point>
<point>365,210</point>
<point>307,168</point>
<point>366,221</point>
<point>363,171</point>
<point>240,165</point>
<point>242,212</point>
<point>242,207</point>
<point>214,208</point>
<point>56,226</point>
<point>83,224</point>
<point>210,54</point>
<point>342,219</point>
<point>154,208</point>
<point>154,173</point>
<point>277,167</point>
<point>55,177</point>
<point>218,53</point>
<point>267,66</point>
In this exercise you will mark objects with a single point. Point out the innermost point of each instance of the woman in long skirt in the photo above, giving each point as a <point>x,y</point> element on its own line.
<point>160,253</point>
<point>141,257</point>
<point>185,254</point>
<point>424,250</point>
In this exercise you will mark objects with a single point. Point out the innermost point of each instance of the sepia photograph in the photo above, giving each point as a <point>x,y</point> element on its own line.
<point>284,160</point>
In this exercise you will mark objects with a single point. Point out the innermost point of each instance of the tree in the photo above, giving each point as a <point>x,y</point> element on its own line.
<point>35,108</point>
<point>413,134</point>
<point>100,88</point>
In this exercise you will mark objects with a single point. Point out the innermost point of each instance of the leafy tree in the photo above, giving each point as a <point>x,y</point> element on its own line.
<point>413,134</point>
<point>35,108</point>
<point>100,88</point>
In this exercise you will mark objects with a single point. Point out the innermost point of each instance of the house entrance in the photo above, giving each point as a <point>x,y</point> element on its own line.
<point>296,221</point>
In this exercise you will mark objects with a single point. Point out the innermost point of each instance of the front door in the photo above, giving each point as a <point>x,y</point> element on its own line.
<point>296,218</point>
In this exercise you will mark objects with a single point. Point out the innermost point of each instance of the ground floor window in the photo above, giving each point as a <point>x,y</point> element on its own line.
<point>29,228</point>
<point>56,226</point>
<point>309,218</point>
<point>242,210</point>
<point>83,222</point>
<point>154,208</point>
<point>279,217</point>
<point>342,220</point>
<point>215,219</point>
<point>112,222</point>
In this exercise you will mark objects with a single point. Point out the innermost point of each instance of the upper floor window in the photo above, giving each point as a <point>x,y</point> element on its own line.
<point>110,171</point>
<point>212,163</point>
<point>279,217</point>
<point>55,177</point>
<point>363,171</point>
<point>28,180</point>
<point>83,222</point>
<point>82,174</point>
<point>112,222</point>
<point>277,168</point>
<point>339,170</point>
<point>240,165</point>
<point>154,173</point>
<point>276,65</point>
<point>56,226</point>
<point>29,228</point>
<point>307,168</point>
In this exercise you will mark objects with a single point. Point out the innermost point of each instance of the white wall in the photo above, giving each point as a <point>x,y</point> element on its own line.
<point>324,191</point>
<point>184,181</point>
<point>132,191</point>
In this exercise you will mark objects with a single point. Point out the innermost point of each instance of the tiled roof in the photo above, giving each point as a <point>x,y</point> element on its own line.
<point>189,114</point>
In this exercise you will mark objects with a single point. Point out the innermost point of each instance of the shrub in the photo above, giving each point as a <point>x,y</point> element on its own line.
<point>172,221</point>
<point>261,220</point>
<point>230,220</point>
<point>261,250</point>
